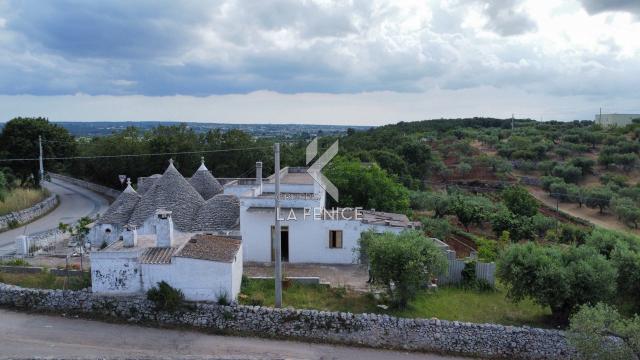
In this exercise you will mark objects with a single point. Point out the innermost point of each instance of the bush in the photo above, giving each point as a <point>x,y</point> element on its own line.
<point>519,201</point>
<point>594,328</point>
<point>487,249</point>
<point>165,297</point>
<point>437,228</point>
<point>222,298</point>
<point>15,262</point>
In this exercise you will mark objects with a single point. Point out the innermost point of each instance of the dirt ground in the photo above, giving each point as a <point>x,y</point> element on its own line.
<point>350,276</point>
<point>606,220</point>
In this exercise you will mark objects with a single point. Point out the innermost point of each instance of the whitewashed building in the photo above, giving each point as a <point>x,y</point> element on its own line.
<point>195,234</point>
<point>184,232</point>
<point>311,233</point>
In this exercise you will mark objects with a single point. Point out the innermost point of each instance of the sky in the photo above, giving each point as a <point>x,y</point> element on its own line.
<point>323,62</point>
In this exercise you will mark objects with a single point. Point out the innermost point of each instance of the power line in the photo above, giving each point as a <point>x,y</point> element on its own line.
<point>136,155</point>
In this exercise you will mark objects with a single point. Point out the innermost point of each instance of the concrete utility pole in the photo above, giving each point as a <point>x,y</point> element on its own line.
<point>512,120</point>
<point>278,235</point>
<point>41,163</point>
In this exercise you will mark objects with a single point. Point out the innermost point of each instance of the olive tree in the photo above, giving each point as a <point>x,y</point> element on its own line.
<point>402,263</point>
<point>561,278</point>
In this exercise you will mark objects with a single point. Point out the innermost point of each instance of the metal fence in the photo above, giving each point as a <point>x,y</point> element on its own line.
<point>484,271</point>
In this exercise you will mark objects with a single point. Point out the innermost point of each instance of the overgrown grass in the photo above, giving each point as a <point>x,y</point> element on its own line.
<point>455,303</point>
<point>261,292</point>
<point>447,303</point>
<point>15,262</point>
<point>21,198</point>
<point>46,280</point>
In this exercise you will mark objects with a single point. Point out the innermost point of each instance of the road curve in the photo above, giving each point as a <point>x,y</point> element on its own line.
<point>75,202</point>
<point>45,336</point>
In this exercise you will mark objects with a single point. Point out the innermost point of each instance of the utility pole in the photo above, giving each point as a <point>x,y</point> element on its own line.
<point>278,235</point>
<point>41,163</point>
<point>512,119</point>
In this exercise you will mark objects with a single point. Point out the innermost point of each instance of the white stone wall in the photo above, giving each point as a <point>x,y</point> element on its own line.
<point>102,233</point>
<point>115,272</point>
<point>199,280</point>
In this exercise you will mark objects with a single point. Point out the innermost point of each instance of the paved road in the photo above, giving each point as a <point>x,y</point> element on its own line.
<point>75,202</point>
<point>45,336</point>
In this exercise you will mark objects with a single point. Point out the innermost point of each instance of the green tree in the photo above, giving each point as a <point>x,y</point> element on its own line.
<point>19,139</point>
<point>519,201</point>
<point>367,186</point>
<point>594,328</point>
<point>559,278</point>
<point>471,209</point>
<point>599,197</point>
<point>402,263</point>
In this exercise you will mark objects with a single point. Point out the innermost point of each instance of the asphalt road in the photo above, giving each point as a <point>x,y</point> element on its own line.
<point>75,202</point>
<point>44,336</point>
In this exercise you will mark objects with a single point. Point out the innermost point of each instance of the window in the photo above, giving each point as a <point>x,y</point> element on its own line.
<point>335,239</point>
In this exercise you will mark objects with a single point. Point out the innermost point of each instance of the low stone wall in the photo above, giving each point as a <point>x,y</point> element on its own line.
<point>104,190</point>
<point>26,215</point>
<point>377,331</point>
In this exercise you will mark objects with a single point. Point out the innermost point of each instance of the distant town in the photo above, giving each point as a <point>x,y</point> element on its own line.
<point>102,128</point>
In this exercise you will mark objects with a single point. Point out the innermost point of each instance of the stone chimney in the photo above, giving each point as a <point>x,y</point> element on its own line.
<point>259,176</point>
<point>164,228</point>
<point>130,236</point>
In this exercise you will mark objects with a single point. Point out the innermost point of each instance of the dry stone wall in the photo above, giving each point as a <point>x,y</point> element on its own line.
<point>377,331</point>
<point>26,215</point>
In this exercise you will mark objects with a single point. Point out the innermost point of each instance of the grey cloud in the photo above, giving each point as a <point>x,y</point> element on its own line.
<point>505,18</point>
<point>599,6</point>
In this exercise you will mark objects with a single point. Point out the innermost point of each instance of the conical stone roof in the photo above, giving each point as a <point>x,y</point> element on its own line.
<point>221,212</point>
<point>120,211</point>
<point>170,192</point>
<point>205,183</point>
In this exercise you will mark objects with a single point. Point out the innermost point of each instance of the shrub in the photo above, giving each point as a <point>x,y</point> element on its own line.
<point>165,297</point>
<point>487,249</point>
<point>222,298</point>
<point>519,201</point>
<point>437,228</point>
<point>15,262</point>
<point>594,328</point>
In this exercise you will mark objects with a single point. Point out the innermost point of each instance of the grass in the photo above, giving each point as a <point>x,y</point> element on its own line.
<point>261,292</point>
<point>455,303</point>
<point>447,303</point>
<point>45,280</point>
<point>15,262</point>
<point>21,198</point>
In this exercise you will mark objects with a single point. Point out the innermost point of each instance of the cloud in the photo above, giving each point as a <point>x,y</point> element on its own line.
<point>599,6</point>
<point>204,48</point>
<point>507,18</point>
